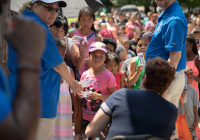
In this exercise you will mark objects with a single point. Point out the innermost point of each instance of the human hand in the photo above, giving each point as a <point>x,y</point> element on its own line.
<point>77,137</point>
<point>139,68</point>
<point>83,48</point>
<point>147,37</point>
<point>76,87</point>
<point>93,96</point>
<point>27,39</point>
<point>195,124</point>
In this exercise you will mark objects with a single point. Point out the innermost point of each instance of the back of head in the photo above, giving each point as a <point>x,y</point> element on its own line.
<point>60,43</point>
<point>123,38</point>
<point>159,75</point>
<point>112,57</point>
<point>119,49</point>
<point>140,36</point>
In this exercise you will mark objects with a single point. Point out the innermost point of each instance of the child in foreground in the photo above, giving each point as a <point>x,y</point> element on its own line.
<point>63,123</point>
<point>112,64</point>
<point>190,103</point>
<point>99,80</point>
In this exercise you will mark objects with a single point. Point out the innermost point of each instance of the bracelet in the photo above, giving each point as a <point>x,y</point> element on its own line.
<point>79,134</point>
<point>29,68</point>
<point>81,56</point>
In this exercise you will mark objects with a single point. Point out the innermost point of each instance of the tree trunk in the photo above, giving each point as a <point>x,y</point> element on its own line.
<point>3,44</point>
<point>146,7</point>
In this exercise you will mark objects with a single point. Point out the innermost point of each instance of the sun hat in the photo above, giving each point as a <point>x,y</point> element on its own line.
<point>61,2</point>
<point>102,14</point>
<point>98,46</point>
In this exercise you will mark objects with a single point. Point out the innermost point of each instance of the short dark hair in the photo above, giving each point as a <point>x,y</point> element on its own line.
<point>159,75</point>
<point>60,21</point>
<point>110,41</point>
<point>112,57</point>
<point>120,13</point>
<point>111,17</point>
<point>140,36</point>
<point>196,31</point>
<point>124,38</point>
<point>192,40</point>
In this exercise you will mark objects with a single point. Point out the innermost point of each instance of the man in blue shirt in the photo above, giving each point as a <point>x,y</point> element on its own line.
<point>169,42</point>
<point>19,119</point>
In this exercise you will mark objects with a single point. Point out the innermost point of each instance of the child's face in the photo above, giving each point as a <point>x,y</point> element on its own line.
<point>97,58</point>
<point>62,52</point>
<point>110,48</point>
<point>125,44</point>
<point>142,47</point>
<point>86,21</point>
<point>112,67</point>
<point>190,77</point>
<point>57,32</point>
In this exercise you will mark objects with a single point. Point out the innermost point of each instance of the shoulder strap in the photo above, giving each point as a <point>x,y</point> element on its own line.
<point>90,36</point>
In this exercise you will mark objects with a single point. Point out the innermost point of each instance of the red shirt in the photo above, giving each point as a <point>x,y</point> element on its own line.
<point>118,77</point>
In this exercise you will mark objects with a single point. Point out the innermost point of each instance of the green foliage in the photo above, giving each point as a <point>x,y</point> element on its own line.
<point>107,3</point>
<point>186,3</point>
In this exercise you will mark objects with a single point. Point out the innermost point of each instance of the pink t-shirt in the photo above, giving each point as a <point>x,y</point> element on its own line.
<point>90,41</point>
<point>101,82</point>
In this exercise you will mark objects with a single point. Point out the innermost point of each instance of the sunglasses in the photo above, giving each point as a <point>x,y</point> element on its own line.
<point>51,9</point>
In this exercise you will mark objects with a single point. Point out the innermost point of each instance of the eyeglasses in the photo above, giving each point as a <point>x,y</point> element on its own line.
<point>51,9</point>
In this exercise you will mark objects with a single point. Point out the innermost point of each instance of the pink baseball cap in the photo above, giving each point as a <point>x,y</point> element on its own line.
<point>98,46</point>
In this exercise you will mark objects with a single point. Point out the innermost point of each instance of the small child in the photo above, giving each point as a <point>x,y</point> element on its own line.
<point>190,103</point>
<point>112,64</point>
<point>99,80</point>
<point>63,123</point>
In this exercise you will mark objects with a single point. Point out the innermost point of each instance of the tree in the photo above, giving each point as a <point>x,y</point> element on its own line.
<point>190,4</point>
<point>107,3</point>
<point>3,44</point>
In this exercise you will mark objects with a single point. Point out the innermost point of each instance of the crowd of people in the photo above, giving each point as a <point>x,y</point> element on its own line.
<point>121,75</point>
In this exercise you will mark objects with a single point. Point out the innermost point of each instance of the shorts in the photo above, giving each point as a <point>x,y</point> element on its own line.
<point>84,125</point>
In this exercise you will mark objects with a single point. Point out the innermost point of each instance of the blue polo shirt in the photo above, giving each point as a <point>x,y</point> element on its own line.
<point>4,103</point>
<point>170,35</point>
<point>50,79</point>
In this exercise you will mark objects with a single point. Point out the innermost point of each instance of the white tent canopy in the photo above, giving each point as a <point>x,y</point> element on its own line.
<point>72,9</point>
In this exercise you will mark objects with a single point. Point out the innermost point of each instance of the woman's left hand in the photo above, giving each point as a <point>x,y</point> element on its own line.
<point>93,96</point>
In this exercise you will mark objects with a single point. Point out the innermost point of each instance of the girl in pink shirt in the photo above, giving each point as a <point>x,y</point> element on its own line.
<point>99,80</point>
<point>86,20</point>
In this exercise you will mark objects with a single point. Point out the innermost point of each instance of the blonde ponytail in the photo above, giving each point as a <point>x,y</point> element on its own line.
<point>26,6</point>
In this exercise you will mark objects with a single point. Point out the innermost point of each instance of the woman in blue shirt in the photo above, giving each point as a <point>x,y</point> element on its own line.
<point>44,13</point>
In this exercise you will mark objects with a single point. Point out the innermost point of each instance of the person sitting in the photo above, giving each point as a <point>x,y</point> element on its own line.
<point>138,112</point>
